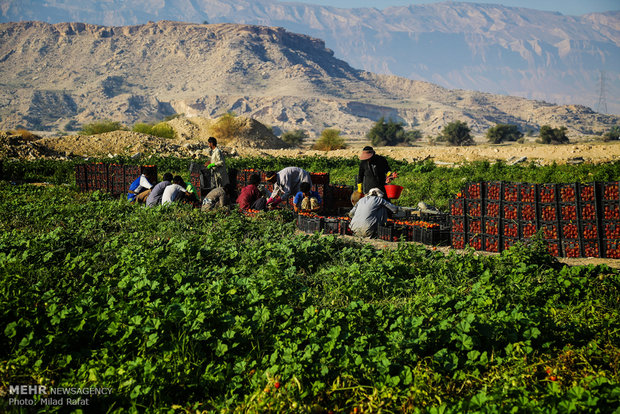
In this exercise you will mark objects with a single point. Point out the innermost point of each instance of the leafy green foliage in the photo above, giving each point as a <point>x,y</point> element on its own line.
<point>503,133</point>
<point>549,135</point>
<point>295,138</point>
<point>101,127</point>
<point>177,309</point>
<point>391,133</point>
<point>613,134</point>
<point>161,129</point>
<point>226,127</point>
<point>456,133</point>
<point>329,140</point>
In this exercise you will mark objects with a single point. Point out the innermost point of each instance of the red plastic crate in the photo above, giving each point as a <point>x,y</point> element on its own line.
<point>568,211</point>
<point>571,248</point>
<point>528,192</point>
<point>474,191</point>
<point>554,247</point>
<point>457,240</point>
<point>474,208</point>
<point>494,190</point>
<point>547,193</point>
<point>611,248</point>
<point>457,224</point>
<point>510,211</point>
<point>475,241</point>
<point>591,248</point>
<point>610,191</point>
<point>491,226</point>
<point>570,229</point>
<point>528,211</point>
<point>493,209</point>
<point>568,192</point>
<point>587,210</point>
<point>474,225</point>
<point>492,244</point>
<point>511,192</point>
<point>319,178</point>
<point>511,229</point>
<point>528,229</point>
<point>548,212</point>
<point>587,192</point>
<point>550,231</point>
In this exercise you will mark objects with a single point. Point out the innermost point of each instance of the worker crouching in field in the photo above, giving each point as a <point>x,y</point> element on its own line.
<point>286,183</point>
<point>154,197</point>
<point>175,192</point>
<point>251,197</point>
<point>307,200</point>
<point>217,197</point>
<point>369,212</point>
<point>139,189</point>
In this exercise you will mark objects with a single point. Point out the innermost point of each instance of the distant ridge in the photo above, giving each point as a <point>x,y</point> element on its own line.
<point>53,74</point>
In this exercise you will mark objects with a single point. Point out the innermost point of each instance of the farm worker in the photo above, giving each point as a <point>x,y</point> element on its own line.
<point>250,197</point>
<point>157,191</point>
<point>138,186</point>
<point>217,167</point>
<point>307,199</point>
<point>286,182</point>
<point>175,191</point>
<point>215,198</point>
<point>369,212</point>
<point>374,172</point>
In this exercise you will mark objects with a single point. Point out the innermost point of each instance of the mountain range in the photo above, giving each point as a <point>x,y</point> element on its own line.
<point>485,47</point>
<point>55,75</point>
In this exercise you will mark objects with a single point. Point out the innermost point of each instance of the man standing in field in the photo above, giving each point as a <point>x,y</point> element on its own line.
<point>374,171</point>
<point>369,212</point>
<point>217,167</point>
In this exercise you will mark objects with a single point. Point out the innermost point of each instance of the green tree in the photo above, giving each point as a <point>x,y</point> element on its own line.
<point>391,133</point>
<point>503,132</point>
<point>456,133</point>
<point>549,135</point>
<point>226,127</point>
<point>330,140</point>
<point>101,127</point>
<point>295,138</point>
<point>613,134</point>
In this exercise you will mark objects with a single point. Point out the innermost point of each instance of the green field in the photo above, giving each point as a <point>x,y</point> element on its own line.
<point>177,310</point>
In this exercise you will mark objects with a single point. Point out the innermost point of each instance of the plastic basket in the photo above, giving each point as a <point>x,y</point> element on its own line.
<point>474,208</point>
<point>494,190</point>
<point>588,210</point>
<point>331,225</point>
<point>510,211</point>
<point>528,192</point>
<point>611,210</point>
<point>610,191</point>
<point>492,226</point>
<point>493,208</point>
<point>508,242</point>
<point>587,192</point>
<point>475,241</point>
<point>528,211</point>
<point>554,247</point>
<point>550,231</point>
<point>548,212</point>
<point>571,248</point>
<point>510,229</point>
<point>510,192</point>
<point>474,191</point>
<point>457,240</point>
<point>393,191</point>
<point>611,248</point>
<point>568,193</point>
<point>457,207</point>
<point>568,211</point>
<point>527,229</point>
<point>492,244</point>
<point>547,193</point>
<point>591,248</point>
<point>474,225</point>
<point>611,229</point>
<point>570,229</point>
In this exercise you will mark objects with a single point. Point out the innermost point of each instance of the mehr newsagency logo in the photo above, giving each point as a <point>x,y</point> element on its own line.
<point>30,395</point>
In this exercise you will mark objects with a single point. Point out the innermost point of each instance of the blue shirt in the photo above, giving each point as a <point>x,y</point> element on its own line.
<point>300,196</point>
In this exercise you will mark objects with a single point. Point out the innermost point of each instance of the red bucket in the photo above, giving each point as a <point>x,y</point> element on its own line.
<point>393,191</point>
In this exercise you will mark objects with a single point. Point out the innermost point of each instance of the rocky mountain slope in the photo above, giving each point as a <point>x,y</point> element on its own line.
<point>53,74</point>
<point>492,48</point>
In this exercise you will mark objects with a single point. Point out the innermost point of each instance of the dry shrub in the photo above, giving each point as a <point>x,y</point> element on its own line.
<point>25,134</point>
<point>227,127</point>
<point>330,140</point>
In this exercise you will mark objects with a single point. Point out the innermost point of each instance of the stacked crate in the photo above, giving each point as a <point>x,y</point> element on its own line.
<point>549,219</point>
<point>458,223</point>
<point>492,221</point>
<point>510,215</point>
<point>610,212</point>
<point>112,178</point>
<point>474,210</point>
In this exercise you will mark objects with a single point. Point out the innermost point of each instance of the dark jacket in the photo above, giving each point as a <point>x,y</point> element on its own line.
<point>372,173</point>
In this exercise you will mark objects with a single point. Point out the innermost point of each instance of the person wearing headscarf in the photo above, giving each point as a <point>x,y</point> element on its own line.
<point>138,187</point>
<point>369,212</point>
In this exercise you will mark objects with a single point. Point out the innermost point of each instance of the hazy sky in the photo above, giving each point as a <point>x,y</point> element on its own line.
<point>566,7</point>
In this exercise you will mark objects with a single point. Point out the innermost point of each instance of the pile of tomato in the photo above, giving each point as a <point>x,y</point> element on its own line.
<point>528,193</point>
<point>547,193</point>
<point>474,190</point>
<point>569,212</point>
<point>586,192</point>
<point>511,229</point>
<point>570,230</point>
<point>474,208</point>
<point>591,248</point>
<point>457,207</point>
<point>610,191</point>
<point>612,230</point>
<point>511,211</point>
<point>572,248</point>
<point>588,211</point>
<point>511,192</point>
<point>549,212</point>
<point>550,231</point>
<point>568,193</point>
<point>494,191</point>
<point>493,209</point>
<point>528,230</point>
<point>458,224</point>
<point>528,211</point>
<point>491,244</point>
<point>458,240</point>
<point>612,249</point>
<point>611,211</point>
<point>475,226</point>
<point>553,248</point>
<point>475,241</point>
<point>590,230</point>
<point>491,226</point>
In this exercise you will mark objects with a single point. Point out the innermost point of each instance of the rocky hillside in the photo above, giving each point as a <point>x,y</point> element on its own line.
<point>53,74</point>
<point>486,47</point>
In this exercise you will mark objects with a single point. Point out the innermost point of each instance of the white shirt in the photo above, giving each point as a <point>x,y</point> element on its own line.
<point>170,193</point>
